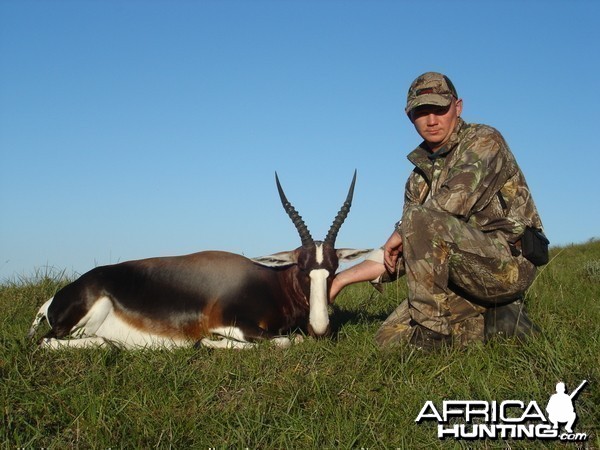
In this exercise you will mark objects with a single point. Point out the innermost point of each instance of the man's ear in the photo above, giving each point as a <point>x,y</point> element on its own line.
<point>348,254</point>
<point>278,259</point>
<point>459,106</point>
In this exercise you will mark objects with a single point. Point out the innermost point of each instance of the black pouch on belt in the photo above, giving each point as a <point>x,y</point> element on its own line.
<point>534,246</point>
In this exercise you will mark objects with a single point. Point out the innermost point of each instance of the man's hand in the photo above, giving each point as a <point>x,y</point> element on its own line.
<point>391,251</point>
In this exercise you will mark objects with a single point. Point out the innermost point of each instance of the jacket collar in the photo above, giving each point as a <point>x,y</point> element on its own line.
<point>423,157</point>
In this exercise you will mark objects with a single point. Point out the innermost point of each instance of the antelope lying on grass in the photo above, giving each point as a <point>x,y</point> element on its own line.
<point>183,300</point>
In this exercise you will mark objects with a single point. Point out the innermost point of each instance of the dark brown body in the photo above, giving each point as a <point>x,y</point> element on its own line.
<point>185,297</point>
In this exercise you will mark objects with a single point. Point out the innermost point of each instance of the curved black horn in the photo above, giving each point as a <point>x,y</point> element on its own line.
<point>341,216</point>
<point>305,236</point>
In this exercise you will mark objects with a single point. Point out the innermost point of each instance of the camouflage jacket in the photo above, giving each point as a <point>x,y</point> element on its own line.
<point>475,177</point>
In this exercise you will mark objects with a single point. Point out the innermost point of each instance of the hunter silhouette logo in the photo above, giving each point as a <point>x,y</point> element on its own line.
<point>560,407</point>
<point>508,419</point>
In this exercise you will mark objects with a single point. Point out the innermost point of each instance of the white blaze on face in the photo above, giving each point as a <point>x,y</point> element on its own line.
<point>318,316</point>
<point>319,255</point>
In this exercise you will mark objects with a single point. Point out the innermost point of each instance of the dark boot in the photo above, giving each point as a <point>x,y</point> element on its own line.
<point>428,340</point>
<point>509,321</point>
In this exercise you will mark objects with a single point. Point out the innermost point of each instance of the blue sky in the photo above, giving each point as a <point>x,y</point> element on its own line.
<point>131,129</point>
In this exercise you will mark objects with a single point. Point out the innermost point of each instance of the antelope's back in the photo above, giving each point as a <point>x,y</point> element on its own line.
<point>176,288</point>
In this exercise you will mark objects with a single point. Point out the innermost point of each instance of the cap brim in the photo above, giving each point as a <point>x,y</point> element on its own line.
<point>428,99</point>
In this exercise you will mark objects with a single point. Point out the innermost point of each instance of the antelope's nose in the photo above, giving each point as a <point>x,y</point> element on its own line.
<point>312,333</point>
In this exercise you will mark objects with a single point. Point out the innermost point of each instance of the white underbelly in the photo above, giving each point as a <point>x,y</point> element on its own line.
<point>102,322</point>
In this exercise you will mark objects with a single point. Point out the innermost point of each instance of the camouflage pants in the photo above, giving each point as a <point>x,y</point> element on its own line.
<point>454,272</point>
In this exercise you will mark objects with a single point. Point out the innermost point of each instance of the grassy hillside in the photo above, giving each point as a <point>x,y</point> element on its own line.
<point>342,392</point>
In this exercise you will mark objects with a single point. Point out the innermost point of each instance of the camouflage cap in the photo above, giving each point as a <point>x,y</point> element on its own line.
<point>431,88</point>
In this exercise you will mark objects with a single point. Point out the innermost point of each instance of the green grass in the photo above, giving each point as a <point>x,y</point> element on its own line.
<point>341,392</point>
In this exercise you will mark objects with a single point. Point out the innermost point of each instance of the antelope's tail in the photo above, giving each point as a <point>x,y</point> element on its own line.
<point>41,315</point>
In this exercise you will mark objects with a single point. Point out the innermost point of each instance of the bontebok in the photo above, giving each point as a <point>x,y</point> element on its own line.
<point>214,298</point>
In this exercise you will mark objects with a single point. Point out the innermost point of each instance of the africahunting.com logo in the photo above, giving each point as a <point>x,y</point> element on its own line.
<point>510,419</point>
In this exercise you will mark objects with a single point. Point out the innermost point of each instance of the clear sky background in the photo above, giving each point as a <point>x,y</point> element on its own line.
<point>131,129</point>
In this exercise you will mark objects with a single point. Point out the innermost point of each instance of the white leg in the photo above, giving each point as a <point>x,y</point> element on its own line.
<point>89,342</point>
<point>297,339</point>
<point>226,343</point>
<point>287,342</point>
<point>282,342</point>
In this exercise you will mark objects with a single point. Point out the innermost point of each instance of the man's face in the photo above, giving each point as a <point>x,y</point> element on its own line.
<point>435,124</point>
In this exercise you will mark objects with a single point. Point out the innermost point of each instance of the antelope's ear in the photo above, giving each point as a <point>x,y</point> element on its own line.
<point>348,254</point>
<point>277,259</point>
